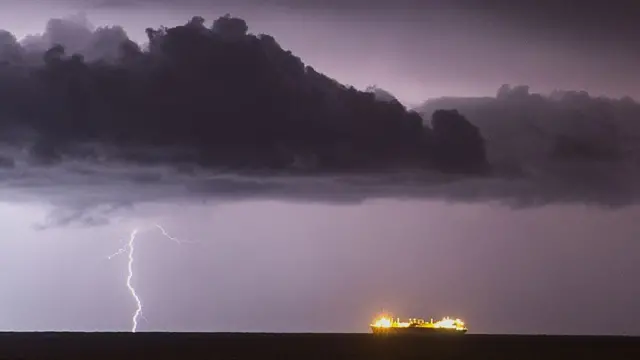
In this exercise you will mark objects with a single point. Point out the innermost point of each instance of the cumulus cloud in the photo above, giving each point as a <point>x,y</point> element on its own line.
<point>210,111</point>
<point>221,94</point>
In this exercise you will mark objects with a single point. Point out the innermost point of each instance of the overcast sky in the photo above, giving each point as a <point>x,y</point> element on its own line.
<point>278,265</point>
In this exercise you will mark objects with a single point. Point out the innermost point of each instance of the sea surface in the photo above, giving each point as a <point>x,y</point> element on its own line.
<point>258,346</point>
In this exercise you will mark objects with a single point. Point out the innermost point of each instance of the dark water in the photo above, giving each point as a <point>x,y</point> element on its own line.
<point>309,346</point>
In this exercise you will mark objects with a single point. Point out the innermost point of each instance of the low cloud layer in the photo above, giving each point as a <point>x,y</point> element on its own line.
<point>90,118</point>
<point>573,145</point>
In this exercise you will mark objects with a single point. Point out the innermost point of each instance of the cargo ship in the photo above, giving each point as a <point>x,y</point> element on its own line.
<point>387,325</point>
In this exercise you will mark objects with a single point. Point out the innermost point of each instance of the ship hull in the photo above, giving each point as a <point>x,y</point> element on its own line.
<point>415,331</point>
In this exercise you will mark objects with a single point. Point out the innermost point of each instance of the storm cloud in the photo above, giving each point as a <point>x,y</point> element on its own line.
<point>90,118</point>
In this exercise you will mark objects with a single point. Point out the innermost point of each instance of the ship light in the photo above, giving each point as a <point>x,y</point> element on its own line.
<point>449,323</point>
<point>383,322</point>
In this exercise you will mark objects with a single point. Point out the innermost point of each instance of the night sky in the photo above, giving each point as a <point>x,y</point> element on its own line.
<point>326,254</point>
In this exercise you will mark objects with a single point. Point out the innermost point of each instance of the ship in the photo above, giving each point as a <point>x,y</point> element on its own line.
<point>387,325</point>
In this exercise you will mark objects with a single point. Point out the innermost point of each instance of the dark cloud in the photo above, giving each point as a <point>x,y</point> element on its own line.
<point>213,112</point>
<point>230,98</point>
<point>582,146</point>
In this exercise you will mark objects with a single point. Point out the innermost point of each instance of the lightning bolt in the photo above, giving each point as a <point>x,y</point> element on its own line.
<point>166,234</point>
<point>132,290</point>
<point>129,247</point>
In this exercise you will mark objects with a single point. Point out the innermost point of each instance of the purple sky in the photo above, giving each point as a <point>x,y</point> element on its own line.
<point>276,265</point>
<point>415,49</point>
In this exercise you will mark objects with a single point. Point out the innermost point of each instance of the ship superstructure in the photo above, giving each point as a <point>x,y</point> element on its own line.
<point>386,324</point>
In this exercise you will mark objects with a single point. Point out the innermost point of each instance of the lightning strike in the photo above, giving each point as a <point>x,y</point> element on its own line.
<point>132,290</point>
<point>167,235</point>
<point>129,247</point>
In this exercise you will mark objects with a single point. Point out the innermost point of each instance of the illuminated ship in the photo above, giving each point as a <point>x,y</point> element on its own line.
<point>387,325</point>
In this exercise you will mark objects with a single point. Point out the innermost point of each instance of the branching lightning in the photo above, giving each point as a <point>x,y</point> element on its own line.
<point>129,247</point>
